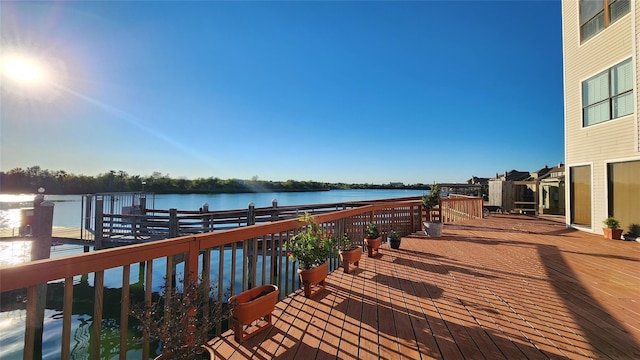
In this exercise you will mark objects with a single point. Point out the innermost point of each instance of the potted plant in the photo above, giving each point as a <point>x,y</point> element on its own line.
<point>349,253</point>
<point>634,233</point>
<point>311,248</point>
<point>612,230</point>
<point>430,201</point>
<point>249,306</point>
<point>394,239</point>
<point>372,238</point>
<point>182,319</point>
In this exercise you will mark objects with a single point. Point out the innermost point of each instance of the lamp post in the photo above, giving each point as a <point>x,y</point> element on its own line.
<point>143,184</point>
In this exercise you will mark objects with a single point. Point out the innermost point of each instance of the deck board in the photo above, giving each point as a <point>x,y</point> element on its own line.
<point>504,287</point>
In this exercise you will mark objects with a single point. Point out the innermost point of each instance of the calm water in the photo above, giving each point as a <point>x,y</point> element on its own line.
<point>68,208</point>
<point>67,212</point>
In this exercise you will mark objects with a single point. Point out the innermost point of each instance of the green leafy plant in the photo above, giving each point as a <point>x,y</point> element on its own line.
<point>345,243</point>
<point>312,246</point>
<point>183,318</point>
<point>393,236</point>
<point>372,231</point>
<point>611,223</point>
<point>432,199</point>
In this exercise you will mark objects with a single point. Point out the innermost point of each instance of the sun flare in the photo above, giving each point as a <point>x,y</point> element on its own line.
<point>24,70</point>
<point>30,78</point>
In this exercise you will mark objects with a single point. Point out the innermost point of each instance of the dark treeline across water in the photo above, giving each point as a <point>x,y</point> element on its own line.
<point>28,180</point>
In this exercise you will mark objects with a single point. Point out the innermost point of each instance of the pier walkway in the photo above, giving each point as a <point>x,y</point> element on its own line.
<point>58,233</point>
<point>503,287</point>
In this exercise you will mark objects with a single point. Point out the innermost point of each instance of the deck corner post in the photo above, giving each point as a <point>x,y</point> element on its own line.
<point>174,231</point>
<point>274,214</point>
<point>251,214</point>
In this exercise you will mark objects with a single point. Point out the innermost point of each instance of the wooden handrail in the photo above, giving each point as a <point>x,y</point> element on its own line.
<point>153,224</point>
<point>262,241</point>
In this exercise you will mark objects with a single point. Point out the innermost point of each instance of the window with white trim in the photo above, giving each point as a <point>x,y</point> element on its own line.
<point>608,95</point>
<point>595,15</point>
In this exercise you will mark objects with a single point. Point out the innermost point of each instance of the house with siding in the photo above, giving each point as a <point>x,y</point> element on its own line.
<point>602,130</point>
<point>551,191</point>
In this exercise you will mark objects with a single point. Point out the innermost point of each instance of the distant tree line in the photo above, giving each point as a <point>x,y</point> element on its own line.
<point>29,180</point>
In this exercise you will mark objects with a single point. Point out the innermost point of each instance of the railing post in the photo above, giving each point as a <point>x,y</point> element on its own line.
<point>174,229</point>
<point>207,222</point>
<point>274,214</point>
<point>412,223</point>
<point>247,258</point>
<point>42,225</point>
<point>134,227</point>
<point>97,245</point>
<point>143,204</point>
<point>87,214</point>
<point>112,199</point>
<point>37,295</point>
<point>251,214</point>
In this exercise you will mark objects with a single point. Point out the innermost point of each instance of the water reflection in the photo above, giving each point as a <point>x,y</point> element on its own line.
<point>14,252</point>
<point>10,209</point>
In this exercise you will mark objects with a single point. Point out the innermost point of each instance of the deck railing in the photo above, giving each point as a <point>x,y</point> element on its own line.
<point>154,224</point>
<point>460,208</point>
<point>235,259</point>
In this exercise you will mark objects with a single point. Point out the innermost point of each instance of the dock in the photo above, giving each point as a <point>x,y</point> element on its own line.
<point>59,234</point>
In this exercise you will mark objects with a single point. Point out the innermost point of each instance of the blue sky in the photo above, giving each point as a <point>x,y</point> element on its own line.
<point>355,92</point>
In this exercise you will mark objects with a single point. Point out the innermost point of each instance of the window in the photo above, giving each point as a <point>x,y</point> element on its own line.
<point>580,190</point>
<point>596,15</point>
<point>608,95</point>
<point>624,192</point>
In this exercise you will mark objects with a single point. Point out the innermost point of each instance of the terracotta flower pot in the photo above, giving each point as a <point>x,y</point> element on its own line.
<point>373,245</point>
<point>613,234</point>
<point>251,305</point>
<point>350,257</point>
<point>313,279</point>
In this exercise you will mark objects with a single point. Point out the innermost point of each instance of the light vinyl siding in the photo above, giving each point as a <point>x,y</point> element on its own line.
<point>613,139</point>
<point>635,9</point>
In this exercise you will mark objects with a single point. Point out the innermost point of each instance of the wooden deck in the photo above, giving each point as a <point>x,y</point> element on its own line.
<point>505,287</point>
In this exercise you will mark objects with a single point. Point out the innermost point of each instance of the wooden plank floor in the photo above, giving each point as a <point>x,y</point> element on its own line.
<point>505,287</point>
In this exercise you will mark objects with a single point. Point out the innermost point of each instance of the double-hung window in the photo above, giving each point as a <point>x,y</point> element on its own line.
<point>596,15</point>
<point>608,95</point>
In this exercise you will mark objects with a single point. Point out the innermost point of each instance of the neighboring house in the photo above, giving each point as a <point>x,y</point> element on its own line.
<point>540,173</point>
<point>602,136</point>
<point>539,192</point>
<point>512,192</point>
<point>513,175</point>
<point>478,181</point>
<point>551,193</point>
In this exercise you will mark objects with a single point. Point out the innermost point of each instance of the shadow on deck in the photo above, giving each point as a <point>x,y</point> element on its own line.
<point>504,287</point>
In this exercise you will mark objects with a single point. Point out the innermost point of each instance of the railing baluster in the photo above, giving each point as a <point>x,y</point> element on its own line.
<point>124,312</point>
<point>96,329</point>
<point>31,321</point>
<point>220,281</point>
<point>148,285</point>
<point>234,247</point>
<point>67,309</point>
<point>264,259</point>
